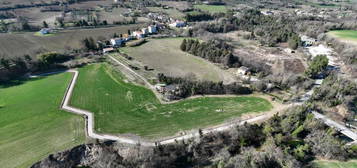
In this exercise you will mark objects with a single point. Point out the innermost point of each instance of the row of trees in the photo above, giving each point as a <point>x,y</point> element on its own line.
<point>189,87</point>
<point>214,51</point>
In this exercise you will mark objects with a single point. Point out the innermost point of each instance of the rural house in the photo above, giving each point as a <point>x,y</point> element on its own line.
<point>108,50</point>
<point>138,34</point>
<point>307,41</point>
<point>145,31</point>
<point>178,23</point>
<point>152,29</point>
<point>116,42</point>
<point>45,31</point>
<point>243,70</point>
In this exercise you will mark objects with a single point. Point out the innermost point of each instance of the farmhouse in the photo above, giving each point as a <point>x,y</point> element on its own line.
<point>152,29</point>
<point>116,42</point>
<point>178,23</point>
<point>307,41</point>
<point>45,31</point>
<point>243,71</point>
<point>108,50</point>
<point>145,31</point>
<point>138,34</point>
<point>160,87</point>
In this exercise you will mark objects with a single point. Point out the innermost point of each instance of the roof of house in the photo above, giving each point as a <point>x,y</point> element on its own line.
<point>243,68</point>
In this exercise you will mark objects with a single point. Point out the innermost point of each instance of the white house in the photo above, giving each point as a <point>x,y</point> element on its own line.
<point>152,29</point>
<point>116,42</point>
<point>145,31</point>
<point>138,34</point>
<point>178,23</point>
<point>307,41</point>
<point>243,70</point>
<point>45,31</point>
<point>108,50</point>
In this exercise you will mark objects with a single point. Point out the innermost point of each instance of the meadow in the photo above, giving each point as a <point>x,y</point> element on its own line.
<point>19,44</point>
<point>345,35</point>
<point>335,164</point>
<point>31,123</point>
<point>120,107</point>
<point>212,8</point>
<point>165,56</point>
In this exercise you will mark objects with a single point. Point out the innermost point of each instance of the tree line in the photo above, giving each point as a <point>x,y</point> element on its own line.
<point>293,139</point>
<point>188,87</point>
<point>214,50</point>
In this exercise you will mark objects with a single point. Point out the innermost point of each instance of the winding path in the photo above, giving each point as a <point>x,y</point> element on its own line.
<point>89,118</point>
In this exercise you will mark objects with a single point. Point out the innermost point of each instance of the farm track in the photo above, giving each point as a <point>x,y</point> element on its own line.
<point>89,117</point>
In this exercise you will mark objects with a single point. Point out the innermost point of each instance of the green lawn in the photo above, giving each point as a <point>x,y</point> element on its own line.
<point>31,124</point>
<point>212,8</point>
<point>335,164</point>
<point>349,35</point>
<point>121,107</point>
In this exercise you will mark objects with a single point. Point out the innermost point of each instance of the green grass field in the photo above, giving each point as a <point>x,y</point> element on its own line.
<point>121,107</point>
<point>335,164</point>
<point>348,35</point>
<point>31,124</point>
<point>165,56</point>
<point>212,8</point>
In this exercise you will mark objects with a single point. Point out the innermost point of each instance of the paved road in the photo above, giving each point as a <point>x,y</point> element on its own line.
<point>341,128</point>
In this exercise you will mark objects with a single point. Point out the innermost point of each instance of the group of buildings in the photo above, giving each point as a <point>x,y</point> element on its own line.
<point>139,34</point>
<point>164,19</point>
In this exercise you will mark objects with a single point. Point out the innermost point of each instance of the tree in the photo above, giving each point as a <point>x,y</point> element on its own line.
<point>50,58</point>
<point>294,42</point>
<point>45,25</point>
<point>5,63</point>
<point>89,43</point>
<point>183,45</point>
<point>318,64</point>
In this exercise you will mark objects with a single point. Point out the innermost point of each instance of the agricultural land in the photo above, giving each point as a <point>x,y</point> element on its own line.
<point>61,41</point>
<point>31,124</point>
<point>165,56</point>
<point>336,164</point>
<point>121,107</point>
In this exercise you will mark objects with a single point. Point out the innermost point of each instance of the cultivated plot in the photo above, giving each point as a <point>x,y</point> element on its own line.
<point>165,56</point>
<point>31,123</point>
<point>121,107</point>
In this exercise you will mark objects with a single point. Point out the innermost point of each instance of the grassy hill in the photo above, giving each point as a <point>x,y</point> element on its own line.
<point>121,107</point>
<point>31,124</point>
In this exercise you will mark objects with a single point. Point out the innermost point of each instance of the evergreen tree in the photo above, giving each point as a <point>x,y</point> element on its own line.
<point>45,25</point>
<point>183,45</point>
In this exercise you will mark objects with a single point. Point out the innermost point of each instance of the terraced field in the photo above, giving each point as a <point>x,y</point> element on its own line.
<point>31,124</point>
<point>121,107</point>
